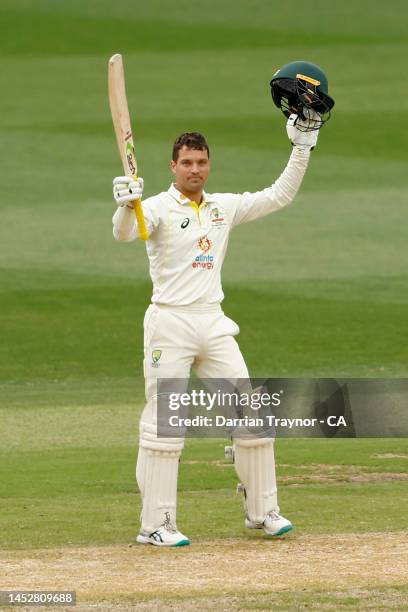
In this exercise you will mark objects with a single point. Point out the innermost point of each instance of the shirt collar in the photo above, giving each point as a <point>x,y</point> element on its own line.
<point>182,199</point>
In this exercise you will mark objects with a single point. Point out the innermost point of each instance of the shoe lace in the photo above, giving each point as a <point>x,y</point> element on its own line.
<point>273,514</point>
<point>168,525</point>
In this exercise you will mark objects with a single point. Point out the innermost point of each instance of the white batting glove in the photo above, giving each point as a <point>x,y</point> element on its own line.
<point>296,126</point>
<point>126,190</point>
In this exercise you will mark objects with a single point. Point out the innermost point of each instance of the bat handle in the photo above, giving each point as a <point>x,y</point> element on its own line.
<point>143,233</point>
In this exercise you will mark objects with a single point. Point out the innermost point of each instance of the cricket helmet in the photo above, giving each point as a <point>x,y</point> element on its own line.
<point>301,85</point>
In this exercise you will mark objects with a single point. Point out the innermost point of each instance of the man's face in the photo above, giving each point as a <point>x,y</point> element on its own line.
<point>191,170</point>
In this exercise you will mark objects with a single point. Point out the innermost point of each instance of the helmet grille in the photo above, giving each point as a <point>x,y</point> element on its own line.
<point>296,95</point>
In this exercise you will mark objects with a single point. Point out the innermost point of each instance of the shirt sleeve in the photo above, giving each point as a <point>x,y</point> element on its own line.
<point>125,227</point>
<point>250,206</point>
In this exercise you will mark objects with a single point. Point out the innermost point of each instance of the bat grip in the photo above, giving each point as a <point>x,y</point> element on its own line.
<point>143,233</point>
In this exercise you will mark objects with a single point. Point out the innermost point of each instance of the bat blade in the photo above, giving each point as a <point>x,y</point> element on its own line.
<point>120,115</point>
<point>123,129</point>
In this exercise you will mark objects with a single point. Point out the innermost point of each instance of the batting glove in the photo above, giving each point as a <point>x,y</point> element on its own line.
<point>126,190</point>
<point>299,132</point>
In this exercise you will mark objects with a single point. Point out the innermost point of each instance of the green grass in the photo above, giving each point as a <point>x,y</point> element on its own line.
<point>381,598</point>
<point>318,290</point>
<point>92,330</point>
<point>66,477</point>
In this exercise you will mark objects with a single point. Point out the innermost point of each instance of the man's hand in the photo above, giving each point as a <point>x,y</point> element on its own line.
<point>299,132</point>
<point>126,190</point>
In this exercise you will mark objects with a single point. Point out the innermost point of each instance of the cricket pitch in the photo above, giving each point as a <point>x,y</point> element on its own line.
<point>122,574</point>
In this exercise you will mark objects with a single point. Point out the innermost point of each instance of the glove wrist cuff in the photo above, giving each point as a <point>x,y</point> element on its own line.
<point>302,148</point>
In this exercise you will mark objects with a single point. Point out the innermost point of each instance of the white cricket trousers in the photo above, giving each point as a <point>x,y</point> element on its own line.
<point>196,336</point>
<point>176,339</point>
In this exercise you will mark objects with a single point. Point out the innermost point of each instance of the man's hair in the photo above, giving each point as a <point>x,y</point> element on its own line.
<point>191,140</point>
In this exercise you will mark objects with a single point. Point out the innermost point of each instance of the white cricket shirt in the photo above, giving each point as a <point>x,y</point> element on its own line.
<point>187,243</point>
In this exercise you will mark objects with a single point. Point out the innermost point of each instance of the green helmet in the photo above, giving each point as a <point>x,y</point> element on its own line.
<point>301,85</point>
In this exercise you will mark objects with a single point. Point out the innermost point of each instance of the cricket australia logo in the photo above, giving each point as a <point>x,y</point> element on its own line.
<point>217,217</point>
<point>156,354</point>
<point>205,244</point>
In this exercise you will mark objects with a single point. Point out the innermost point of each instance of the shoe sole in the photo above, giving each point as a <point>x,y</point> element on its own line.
<point>280,532</point>
<point>260,526</point>
<point>145,540</point>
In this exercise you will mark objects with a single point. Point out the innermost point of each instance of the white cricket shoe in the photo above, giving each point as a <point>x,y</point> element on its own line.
<point>166,535</point>
<point>273,525</point>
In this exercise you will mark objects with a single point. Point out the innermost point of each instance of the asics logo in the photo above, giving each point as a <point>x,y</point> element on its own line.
<point>156,536</point>
<point>185,223</point>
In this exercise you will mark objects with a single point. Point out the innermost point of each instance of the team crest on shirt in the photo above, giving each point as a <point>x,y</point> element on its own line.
<point>156,354</point>
<point>205,244</point>
<point>217,217</point>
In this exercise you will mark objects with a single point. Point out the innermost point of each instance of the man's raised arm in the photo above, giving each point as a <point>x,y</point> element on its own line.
<point>250,206</point>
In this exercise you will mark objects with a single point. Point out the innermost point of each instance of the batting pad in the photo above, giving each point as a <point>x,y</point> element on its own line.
<point>255,466</point>
<point>156,475</point>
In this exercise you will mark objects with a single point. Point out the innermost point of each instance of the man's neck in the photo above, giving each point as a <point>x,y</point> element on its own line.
<point>194,197</point>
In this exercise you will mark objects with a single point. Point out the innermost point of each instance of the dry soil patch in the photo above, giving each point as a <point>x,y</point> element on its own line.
<point>219,567</point>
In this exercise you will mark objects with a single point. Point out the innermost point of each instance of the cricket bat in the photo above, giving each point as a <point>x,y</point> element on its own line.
<point>123,130</point>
